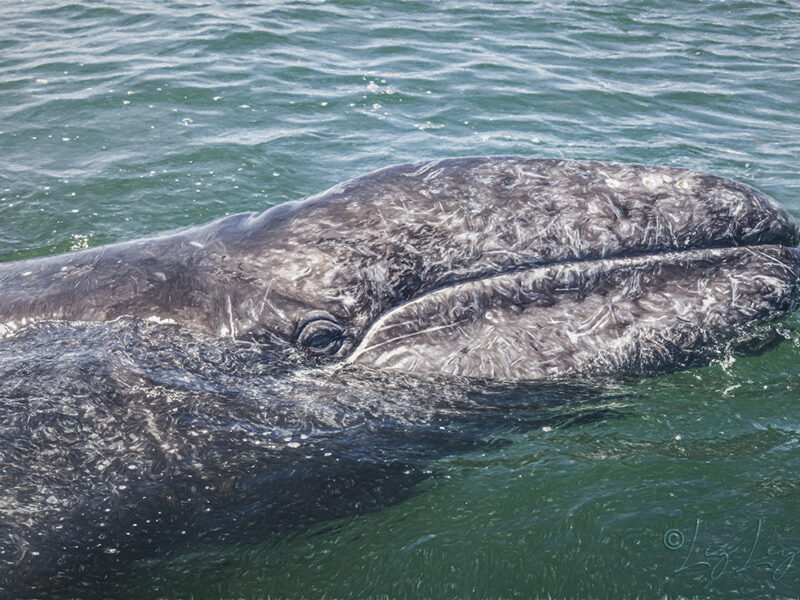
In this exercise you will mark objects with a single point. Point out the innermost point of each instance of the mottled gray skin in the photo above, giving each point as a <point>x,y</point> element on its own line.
<point>489,267</point>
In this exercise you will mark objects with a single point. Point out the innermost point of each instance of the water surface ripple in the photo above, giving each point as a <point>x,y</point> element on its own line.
<point>119,119</point>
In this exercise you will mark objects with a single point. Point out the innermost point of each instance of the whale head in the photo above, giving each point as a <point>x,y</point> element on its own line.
<point>521,268</point>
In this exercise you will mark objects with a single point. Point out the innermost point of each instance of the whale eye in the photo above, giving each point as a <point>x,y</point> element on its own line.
<point>321,336</point>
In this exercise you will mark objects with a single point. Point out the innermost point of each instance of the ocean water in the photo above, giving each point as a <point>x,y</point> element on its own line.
<point>119,119</point>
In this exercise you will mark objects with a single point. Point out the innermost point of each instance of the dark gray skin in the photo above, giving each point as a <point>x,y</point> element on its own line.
<point>489,267</point>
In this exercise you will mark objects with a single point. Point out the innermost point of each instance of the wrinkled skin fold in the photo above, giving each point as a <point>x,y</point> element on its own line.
<point>486,267</point>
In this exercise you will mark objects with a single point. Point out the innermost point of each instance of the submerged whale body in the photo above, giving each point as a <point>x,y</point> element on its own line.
<point>498,267</point>
<point>130,451</point>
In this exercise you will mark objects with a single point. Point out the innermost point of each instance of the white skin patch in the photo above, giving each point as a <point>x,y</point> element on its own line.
<point>162,320</point>
<point>651,181</point>
<point>9,328</point>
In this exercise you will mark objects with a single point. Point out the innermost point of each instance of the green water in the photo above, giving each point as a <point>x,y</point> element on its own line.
<point>119,119</point>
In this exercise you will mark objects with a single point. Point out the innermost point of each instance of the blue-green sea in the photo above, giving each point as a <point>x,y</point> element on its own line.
<point>123,118</point>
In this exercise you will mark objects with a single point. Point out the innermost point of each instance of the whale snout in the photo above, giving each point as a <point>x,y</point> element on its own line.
<point>615,270</point>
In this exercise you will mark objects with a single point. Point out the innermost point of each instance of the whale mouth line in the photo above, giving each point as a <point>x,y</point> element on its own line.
<point>505,283</point>
<point>595,257</point>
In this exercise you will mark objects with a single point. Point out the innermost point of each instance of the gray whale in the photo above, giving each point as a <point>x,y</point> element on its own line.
<point>206,386</point>
<point>497,267</point>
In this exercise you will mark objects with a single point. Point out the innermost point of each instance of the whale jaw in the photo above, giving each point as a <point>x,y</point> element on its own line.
<point>618,317</point>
